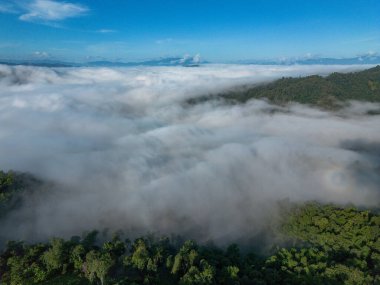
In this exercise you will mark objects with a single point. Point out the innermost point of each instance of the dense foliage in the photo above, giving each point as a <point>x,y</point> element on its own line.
<point>12,186</point>
<point>331,245</point>
<point>325,92</point>
<point>342,244</point>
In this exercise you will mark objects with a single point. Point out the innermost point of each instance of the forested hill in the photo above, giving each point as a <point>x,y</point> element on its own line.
<point>332,245</point>
<point>325,92</point>
<point>327,244</point>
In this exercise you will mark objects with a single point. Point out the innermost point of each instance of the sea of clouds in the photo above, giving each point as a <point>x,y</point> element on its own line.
<point>121,150</point>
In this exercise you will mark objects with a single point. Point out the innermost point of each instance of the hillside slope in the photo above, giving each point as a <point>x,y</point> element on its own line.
<point>325,92</point>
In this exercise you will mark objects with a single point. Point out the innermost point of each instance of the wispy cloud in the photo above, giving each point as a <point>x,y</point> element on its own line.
<point>106,31</point>
<point>41,54</point>
<point>7,7</point>
<point>49,10</point>
<point>43,11</point>
<point>164,41</point>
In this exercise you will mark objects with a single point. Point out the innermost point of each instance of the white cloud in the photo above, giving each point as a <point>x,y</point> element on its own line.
<point>41,54</point>
<point>185,58</point>
<point>105,31</point>
<point>197,58</point>
<point>128,154</point>
<point>51,11</point>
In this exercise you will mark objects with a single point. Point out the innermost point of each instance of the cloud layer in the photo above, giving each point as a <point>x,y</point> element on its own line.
<point>45,11</point>
<point>49,10</point>
<point>125,152</point>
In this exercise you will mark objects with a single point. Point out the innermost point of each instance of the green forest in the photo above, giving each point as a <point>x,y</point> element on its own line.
<point>13,186</point>
<point>330,92</point>
<point>323,244</point>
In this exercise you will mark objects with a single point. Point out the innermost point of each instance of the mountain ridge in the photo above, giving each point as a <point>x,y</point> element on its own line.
<point>195,61</point>
<point>185,61</point>
<point>329,92</point>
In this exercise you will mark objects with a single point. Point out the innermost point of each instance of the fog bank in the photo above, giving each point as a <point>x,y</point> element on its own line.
<point>124,152</point>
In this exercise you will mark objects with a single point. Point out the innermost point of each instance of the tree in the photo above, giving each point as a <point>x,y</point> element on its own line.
<point>199,276</point>
<point>97,265</point>
<point>185,258</point>
<point>55,258</point>
<point>77,257</point>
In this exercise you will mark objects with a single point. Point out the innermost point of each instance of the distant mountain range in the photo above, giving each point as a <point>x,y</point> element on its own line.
<point>167,61</point>
<point>195,61</point>
<point>365,59</point>
<point>43,63</point>
<point>186,61</point>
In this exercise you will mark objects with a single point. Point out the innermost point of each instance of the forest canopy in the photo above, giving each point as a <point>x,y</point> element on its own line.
<point>205,176</point>
<point>322,244</point>
<point>329,92</point>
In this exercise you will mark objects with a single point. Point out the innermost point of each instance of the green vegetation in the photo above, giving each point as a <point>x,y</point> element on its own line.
<point>12,186</point>
<point>342,246</point>
<point>331,245</point>
<point>325,92</point>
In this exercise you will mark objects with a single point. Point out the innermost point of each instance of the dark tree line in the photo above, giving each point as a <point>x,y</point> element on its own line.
<point>13,186</point>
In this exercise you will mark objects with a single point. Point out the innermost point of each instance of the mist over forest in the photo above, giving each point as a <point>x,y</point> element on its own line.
<point>191,143</point>
<point>121,149</point>
<point>215,174</point>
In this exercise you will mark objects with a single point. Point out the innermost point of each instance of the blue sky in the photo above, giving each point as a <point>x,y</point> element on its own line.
<point>221,31</point>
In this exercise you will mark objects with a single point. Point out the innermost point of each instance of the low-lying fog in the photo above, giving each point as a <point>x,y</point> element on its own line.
<point>124,152</point>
